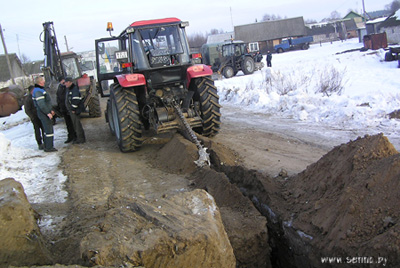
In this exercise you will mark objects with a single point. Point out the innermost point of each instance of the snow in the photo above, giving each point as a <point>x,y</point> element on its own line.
<point>371,90</point>
<point>20,159</point>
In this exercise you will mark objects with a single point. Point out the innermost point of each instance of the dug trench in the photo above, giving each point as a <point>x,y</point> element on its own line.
<point>155,208</point>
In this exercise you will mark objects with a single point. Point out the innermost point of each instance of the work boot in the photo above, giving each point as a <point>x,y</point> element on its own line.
<point>50,150</point>
<point>68,140</point>
<point>41,146</point>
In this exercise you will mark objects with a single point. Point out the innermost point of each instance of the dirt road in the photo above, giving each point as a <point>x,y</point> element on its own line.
<point>98,172</point>
<point>101,179</point>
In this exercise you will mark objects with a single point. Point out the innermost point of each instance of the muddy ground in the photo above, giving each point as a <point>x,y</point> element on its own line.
<point>284,202</point>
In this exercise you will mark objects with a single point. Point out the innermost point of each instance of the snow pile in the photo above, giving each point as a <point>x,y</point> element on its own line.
<point>369,87</point>
<point>20,159</point>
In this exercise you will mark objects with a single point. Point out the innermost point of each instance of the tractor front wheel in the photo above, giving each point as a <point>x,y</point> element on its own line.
<point>123,117</point>
<point>228,72</point>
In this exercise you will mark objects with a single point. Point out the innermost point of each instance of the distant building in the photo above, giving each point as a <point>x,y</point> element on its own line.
<point>33,67</point>
<point>16,67</point>
<point>265,35</point>
<point>334,30</point>
<point>391,26</point>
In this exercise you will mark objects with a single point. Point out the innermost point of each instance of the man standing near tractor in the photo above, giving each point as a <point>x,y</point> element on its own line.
<point>42,102</point>
<point>61,96</point>
<point>75,107</point>
<point>31,111</point>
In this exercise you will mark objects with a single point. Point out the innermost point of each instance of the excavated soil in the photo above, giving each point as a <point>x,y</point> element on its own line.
<point>344,205</point>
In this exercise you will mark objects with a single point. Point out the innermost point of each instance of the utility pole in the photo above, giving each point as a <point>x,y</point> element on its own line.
<point>233,28</point>
<point>364,13</point>
<point>19,52</point>
<point>7,58</point>
<point>66,42</point>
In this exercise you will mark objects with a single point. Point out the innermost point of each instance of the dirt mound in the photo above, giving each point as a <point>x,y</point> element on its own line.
<point>184,230</point>
<point>346,204</point>
<point>177,156</point>
<point>245,226</point>
<point>21,240</point>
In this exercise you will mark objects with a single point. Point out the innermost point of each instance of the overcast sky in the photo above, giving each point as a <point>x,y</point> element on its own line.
<point>84,21</point>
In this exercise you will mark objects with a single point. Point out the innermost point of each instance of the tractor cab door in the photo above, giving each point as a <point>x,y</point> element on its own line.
<point>111,60</point>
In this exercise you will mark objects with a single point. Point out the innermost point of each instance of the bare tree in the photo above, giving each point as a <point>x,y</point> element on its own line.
<point>24,59</point>
<point>197,40</point>
<point>268,17</point>
<point>334,16</point>
<point>394,6</point>
<point>310,21</point>
<point>215,31</point>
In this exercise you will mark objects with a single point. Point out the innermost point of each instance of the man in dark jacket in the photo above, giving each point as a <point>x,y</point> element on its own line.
<point>75,107</point>
<point>269,59</point>
<point>42,102</point>
<point>31,111</point>
<point>61,97</point>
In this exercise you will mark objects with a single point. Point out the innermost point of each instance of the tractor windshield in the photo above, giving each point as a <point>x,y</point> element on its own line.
<point>233,50</point>
<point>162,41</point>
<point>70,66</point>
<point>160,46</point>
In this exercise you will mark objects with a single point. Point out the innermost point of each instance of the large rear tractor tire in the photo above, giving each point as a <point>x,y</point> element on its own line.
<point>94,106</point>
<point>209,106</point>
<point>248,65</point>
<point>124,115</point>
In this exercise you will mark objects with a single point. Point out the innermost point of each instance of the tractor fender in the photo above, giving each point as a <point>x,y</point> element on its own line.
<point>130,80</point>
<point>198,70</point>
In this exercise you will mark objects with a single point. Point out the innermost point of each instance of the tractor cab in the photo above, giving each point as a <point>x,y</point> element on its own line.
<point>146,47</point>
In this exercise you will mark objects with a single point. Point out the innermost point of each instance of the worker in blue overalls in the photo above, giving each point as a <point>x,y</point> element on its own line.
<point>42,102</point>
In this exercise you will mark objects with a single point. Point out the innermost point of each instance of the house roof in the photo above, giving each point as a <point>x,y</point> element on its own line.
<point>270,30</point>
<point>15,65</point>
<point>378,14</point>
<point>352,15</point>
<point>391,21</point>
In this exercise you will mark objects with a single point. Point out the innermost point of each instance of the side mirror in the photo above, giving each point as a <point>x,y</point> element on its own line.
<point>101,48</point>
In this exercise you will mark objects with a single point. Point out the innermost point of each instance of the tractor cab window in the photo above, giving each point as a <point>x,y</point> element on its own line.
<point>70,66</point>
<point>228,50</point>
<point>108,62</point>
<point>87,65</point>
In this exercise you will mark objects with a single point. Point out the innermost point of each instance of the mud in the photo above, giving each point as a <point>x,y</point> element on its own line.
<point>276,209</point>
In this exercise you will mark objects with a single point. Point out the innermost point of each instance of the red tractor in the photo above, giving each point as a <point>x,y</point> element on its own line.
<point>151,83</point>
